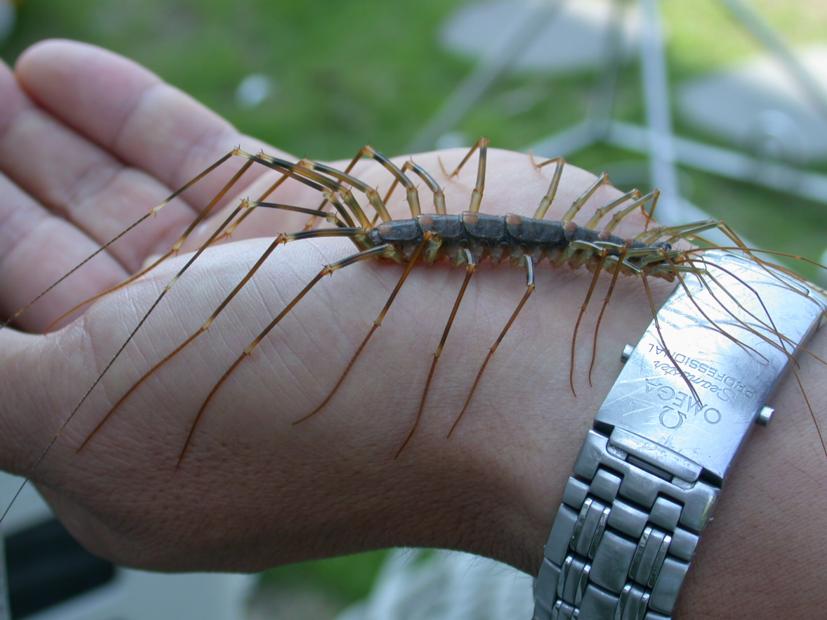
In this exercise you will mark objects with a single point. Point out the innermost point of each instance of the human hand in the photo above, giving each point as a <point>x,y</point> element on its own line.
<point>106,142</point>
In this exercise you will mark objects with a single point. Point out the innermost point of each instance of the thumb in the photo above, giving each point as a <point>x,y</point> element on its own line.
<point>28,386</point>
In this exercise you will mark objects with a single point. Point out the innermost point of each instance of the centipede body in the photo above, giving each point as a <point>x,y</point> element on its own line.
<point>493,237</point>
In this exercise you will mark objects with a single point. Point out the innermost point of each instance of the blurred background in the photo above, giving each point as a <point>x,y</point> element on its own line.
<point>721,103</point>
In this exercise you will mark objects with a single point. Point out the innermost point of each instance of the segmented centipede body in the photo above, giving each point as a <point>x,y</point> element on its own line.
<point>463,239</point>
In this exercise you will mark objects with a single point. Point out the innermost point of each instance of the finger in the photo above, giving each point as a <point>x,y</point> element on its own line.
<point>37,248</point>
<point>79,181</point>
<point>131,112</point>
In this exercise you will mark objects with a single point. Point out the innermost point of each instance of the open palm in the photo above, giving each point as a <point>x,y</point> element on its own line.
<point>89,141</point>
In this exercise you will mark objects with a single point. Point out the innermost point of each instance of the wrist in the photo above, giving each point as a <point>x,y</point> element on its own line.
<point>521,435</point>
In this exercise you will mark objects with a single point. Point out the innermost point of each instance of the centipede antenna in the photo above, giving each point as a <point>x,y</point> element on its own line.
<point>583,198</point>
<point>105,246</point>
<point>600,213</point>
<point>675,232</point>
<point>803,259</point>
<point>769,327</point>
<point>598,268</point>
<point>770,268</point>
<point>470,270</point>
<point>376,324</point>
<point>726,334</point>
<point>767,265</point>
<point>666,350</point>
<point>731,234</point>
<point>615,273</point>
<point>811,411</point>
<point>530,286</point>
<point>20,311</point>
<point>248,350</point>
<point>551,192</point>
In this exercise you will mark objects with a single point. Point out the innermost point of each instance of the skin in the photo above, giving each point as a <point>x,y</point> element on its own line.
<point>89,140</point>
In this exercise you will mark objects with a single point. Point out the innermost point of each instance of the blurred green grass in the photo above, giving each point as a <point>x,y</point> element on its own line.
<point>370,71</point>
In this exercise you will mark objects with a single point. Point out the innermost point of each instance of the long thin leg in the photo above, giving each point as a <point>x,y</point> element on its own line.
<point>325,271</point>
<point>308,172</point>
<point>584,197</point>
<point>638,202</point>
<point>376,324</point>
<point>312,221</point>
<point>436,189</point>
<point>470,270</point>
<point>225,231</point>
<point>105,370</point>
<point>154,210</point>
<point>479,186</point>
<point>604,257</point>
<point>279,240</point>
<point>369,152</point>
<point>548,198</point>
<point>289,171</point>
<point>530,286</point>
<point>600,213</point>
<point>343,214</point>
<point>663,342</point>
<point>372,195</point>
<point>237,152</point>
<point>782,339</point>
<point>601,259</point>
<point>615,273</point>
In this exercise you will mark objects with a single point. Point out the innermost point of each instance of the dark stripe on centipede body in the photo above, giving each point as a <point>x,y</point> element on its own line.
<point>487,229</point>
<point>449,228</point>
<point>532,232</point>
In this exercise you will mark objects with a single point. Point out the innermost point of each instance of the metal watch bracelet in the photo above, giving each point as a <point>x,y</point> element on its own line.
<point>650,470</point>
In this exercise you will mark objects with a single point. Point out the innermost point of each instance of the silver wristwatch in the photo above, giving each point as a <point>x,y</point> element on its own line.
<point>650,470</point>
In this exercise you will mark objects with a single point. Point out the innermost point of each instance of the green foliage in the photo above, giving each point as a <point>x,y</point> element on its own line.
<point>348,578</point>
